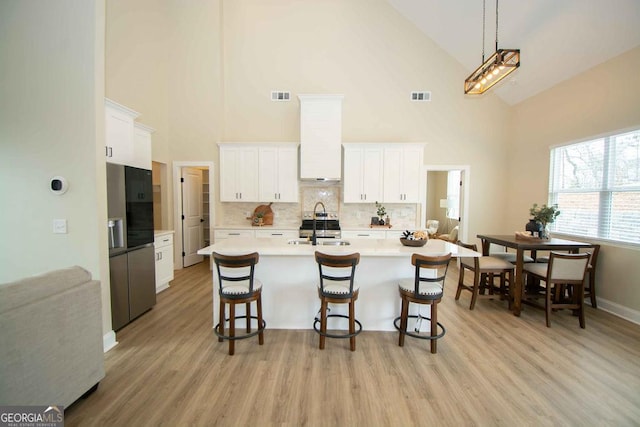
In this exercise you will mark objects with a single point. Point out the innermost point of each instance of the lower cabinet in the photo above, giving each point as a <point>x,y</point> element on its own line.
<point>164,261</point>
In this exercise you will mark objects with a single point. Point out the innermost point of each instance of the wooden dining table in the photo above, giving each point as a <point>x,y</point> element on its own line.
<point>529,244</point>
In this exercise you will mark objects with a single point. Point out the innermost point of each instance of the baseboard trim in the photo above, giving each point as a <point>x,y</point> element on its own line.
<point>109,341</point>
<point>619,310</point>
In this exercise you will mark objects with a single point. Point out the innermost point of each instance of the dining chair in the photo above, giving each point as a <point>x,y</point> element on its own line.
<point>562,280</point>
<point>484,269</point>
<point>237,285</point>
<point>590,285</point>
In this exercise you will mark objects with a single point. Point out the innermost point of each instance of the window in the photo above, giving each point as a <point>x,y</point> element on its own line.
<point>596,185</point>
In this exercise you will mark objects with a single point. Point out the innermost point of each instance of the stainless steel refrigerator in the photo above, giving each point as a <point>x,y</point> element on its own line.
<point>131,251</point>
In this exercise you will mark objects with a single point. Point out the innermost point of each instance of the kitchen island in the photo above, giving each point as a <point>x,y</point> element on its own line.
<point>289,274</point>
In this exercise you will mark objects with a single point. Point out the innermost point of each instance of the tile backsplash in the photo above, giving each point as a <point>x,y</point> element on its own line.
<point>352,215</point>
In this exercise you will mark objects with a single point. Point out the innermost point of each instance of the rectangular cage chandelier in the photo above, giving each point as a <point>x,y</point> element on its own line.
<point>498,66</point>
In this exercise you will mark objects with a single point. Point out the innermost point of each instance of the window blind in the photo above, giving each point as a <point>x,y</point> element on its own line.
<point>596,185</point>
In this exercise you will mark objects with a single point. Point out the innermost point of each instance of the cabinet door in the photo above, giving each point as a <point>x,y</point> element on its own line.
<point>353,174</point>
<point>247,174</point>
<point>118,137</point>
<point>268,171</point>
<point>238,174</point>
<point>402,174</point>
<point>372,177</point>
<point>141,148</point>
<point>363,175</point>
<point>288,174</point>
<point>164,267</point>
<point>411,178</point>
<point>393,181</point>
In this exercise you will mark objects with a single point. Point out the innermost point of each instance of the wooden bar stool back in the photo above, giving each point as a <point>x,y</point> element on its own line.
<point>337,286</point>
<point>237,285</point>
<point>426,287</point>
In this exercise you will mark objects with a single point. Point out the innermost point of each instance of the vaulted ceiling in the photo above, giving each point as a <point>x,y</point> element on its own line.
<point>558,39</point>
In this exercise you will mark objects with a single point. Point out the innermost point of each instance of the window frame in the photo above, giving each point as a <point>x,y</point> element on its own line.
<point>604,207</point>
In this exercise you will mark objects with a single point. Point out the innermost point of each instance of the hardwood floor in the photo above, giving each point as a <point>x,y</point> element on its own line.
<point>491,368</point>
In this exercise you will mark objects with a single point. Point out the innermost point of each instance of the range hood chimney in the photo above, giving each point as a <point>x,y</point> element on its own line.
<point>321,137</point>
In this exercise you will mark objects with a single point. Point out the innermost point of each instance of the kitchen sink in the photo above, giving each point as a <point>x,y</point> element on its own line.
<point>320,242</point>
<point>335,243</point>
<point>299,242</point>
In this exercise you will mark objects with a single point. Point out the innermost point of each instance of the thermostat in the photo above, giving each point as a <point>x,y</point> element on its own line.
<point>58,185</point>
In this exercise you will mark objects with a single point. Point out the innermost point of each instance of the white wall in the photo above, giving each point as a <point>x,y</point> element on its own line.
<point>51,123</point>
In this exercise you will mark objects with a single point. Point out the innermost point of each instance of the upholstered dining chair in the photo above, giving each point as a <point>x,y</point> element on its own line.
<point>590,284</point>
<point>426,287</point>
<point>337,286</point>
<point>237,285</point>
<point>563,281</point>
<point>484,269</point>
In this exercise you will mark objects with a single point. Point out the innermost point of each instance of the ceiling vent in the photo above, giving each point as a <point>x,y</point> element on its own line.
<point>280,95</point>
<point>421,96</point>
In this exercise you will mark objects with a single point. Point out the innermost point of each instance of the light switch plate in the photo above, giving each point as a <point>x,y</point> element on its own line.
<point>60,226</point>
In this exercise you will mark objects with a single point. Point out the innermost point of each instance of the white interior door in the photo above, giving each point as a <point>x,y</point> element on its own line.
<point>192,216</point>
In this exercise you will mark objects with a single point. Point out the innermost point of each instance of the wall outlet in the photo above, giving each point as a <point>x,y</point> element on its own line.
<point>60,226</point>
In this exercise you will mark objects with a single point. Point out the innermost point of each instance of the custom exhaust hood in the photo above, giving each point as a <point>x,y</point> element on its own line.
<point>320,137</point>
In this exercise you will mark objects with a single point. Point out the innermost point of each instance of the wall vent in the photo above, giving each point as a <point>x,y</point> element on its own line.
<point>421,96</point>
<point>280,95</point>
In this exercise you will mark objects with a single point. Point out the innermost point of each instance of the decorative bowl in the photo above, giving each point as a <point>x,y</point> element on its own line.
<point>414,243</point>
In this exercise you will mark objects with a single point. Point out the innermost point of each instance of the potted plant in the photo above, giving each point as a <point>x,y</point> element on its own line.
<point>381,211</point>
<point>544,215</point>
<point>259,218</point>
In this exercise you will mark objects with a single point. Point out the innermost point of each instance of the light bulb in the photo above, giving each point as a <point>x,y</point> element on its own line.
<point>478,85</point>
<point>495,71</point>
<point>489,76</point>
<point>483,81</point>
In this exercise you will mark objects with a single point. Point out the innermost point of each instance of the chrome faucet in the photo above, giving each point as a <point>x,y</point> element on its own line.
<point>313,235</point>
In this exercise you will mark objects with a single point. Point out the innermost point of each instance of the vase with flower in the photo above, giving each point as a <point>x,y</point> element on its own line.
<point>544,215</point>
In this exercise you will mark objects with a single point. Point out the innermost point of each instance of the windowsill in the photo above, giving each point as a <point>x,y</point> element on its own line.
<point>615,243</point>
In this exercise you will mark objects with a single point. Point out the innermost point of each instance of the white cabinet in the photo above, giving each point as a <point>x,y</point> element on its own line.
<point>395,234</point>
<point>164,261</point>
<point>141,146</point>
<point>363,173</point>
<point>402,173</point>
<point>231,234</point>
<point>238,173</point>
<point>289,234</point>
<point>119,134</point>
<point>278,173</point>
<point>363,234</point>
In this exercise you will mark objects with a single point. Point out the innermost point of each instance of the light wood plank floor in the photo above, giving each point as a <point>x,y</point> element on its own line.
<point>491,369</point>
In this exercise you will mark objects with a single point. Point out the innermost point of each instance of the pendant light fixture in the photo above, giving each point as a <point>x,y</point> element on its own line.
<point>499,65</point>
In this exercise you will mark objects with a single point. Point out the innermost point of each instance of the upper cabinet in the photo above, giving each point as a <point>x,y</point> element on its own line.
<point>142,146</point>
<point>402,173</point>
<point>278,173</point>
<point>126,142</point>
<point>389,173</point>
<point>363,169</point>
<point>238,173</point>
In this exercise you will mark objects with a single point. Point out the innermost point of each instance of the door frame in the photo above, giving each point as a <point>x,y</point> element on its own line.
<point>464,200</point>
<point>177,205</point>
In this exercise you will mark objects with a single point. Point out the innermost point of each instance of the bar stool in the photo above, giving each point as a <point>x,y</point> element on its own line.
<point>337,273</point>
<point>238,286</point>
<point>423,290</point>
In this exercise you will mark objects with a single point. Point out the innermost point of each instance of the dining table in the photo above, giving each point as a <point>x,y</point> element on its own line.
<point>522,244</point>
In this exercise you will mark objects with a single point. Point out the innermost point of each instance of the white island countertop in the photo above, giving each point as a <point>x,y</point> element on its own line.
<point>366,247</point>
